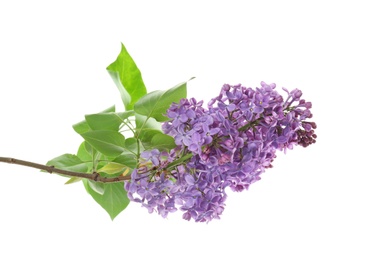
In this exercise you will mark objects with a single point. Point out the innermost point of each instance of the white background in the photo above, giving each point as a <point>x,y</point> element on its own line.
<point>322,202</point>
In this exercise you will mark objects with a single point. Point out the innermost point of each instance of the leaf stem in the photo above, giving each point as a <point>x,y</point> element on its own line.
<point>128,126</point>
<point>141,128</point>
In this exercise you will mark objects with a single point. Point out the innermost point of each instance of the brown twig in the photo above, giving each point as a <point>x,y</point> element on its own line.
<point>51,169</point>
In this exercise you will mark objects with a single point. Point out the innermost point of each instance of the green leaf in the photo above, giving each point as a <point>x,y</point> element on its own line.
<point>91,156</point>
<point>146,128</point>
<point>162,141</point>
<point>73,180</point>
<point>109,143</point>
<point>98,187</point>
<point>107,121</point>
<point>152,139</point>
<point>126,98</point>
<point>127,78</point>
<point>156,103</point>
<point>113,168</point>
<point>126,159</point>
<point>83,127</point>
<point>146,136</point>
<point>144,122</point>
<point>90,151</point>
<point>131,145</point>
<point>83,153</point>
<point>114,198</point>
<point>69,162</point>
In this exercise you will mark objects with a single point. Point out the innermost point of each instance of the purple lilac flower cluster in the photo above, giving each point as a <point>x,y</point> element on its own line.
<point>228,144</point>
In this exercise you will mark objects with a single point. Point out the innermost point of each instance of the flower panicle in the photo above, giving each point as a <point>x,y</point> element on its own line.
<point>231,143</point>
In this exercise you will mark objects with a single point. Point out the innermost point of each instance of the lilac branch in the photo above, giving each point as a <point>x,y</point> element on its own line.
<point>51,169</point>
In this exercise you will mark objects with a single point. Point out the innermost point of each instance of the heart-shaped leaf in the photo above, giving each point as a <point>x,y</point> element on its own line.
<point>127,78</point>
<point>114,198</point>
<point>155,104</point>
<point>69,162</point>
<point>107,121</point>
<point>83,126</point>
<point>109,143</point>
